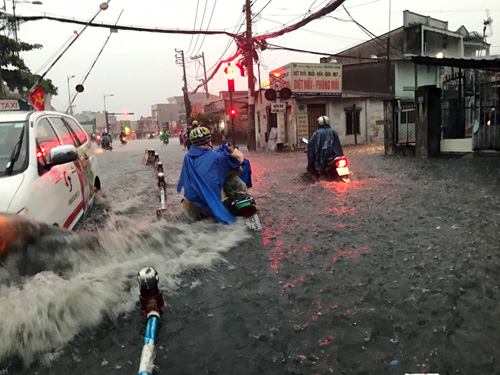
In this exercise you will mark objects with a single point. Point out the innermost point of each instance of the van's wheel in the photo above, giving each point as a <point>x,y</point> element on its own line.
<point>97,184</point>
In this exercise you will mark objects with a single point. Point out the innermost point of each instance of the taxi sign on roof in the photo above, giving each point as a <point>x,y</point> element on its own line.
<point>13,105</point>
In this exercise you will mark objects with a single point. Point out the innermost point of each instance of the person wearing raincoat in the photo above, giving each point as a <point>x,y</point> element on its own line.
<point>323,146</point>
<point>187,140</point>
<point>203,175</point>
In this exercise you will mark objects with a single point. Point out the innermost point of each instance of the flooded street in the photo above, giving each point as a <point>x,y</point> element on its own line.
<point>396,272</point>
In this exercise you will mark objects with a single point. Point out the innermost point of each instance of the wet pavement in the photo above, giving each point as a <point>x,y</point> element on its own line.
<point>396,272</point>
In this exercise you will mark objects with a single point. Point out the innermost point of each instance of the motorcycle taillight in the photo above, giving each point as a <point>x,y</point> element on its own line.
<point>341,163</point>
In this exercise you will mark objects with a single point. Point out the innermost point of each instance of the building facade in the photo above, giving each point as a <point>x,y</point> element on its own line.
<point>146,128</point>
<point>166,117</point>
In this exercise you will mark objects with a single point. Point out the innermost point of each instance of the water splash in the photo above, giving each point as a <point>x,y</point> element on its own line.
<point>64,283</point>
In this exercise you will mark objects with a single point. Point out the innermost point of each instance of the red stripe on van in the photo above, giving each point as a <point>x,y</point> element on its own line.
<point>74,214</point>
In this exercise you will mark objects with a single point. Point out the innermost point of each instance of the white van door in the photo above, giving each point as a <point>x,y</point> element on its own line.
<point>86,163</point>
<point>56,193</point>
<point>81,191</point>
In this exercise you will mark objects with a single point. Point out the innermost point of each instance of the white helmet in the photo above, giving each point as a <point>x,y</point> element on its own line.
<point>323,120</point>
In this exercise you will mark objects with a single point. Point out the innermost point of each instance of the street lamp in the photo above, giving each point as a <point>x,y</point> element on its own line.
<point>70,107</point>
<point>106,112</point>
<point>36,2</point>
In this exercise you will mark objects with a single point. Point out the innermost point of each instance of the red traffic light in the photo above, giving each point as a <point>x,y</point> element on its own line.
<point>229,72</point>
<point>233,112</point>
<point>125,113</point>
<point>230,77</point>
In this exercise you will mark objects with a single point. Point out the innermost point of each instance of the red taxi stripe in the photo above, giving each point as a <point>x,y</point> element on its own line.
<point>73,215</point>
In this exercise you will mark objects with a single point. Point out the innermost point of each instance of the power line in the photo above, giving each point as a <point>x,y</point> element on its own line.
<point>360,5</point>
<point>264,7</point>
<point>126,28</point>
<point>373,37</point>
<point>277,47</point>
<point>208,25</point>
<point>201,25</point>
<point>231,40</point>
<point>194,26</point>
<point>290,22</point>
<point>93,64</point>
<point>323,12</point>
<point>320,33</point>
<point>312,9</point>
<point>238,53</point>
<point>42,76</point>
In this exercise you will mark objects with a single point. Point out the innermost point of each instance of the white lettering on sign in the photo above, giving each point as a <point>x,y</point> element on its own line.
<point>278,108</point>
<point>7,105</point>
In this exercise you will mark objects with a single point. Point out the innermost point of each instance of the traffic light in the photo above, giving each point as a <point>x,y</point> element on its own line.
<point>233,112</point>
<point>127,130</point>
<point>125,113</point>
<point>230,77</point>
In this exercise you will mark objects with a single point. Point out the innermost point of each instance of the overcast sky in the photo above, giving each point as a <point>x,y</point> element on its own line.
<point>139,68</point>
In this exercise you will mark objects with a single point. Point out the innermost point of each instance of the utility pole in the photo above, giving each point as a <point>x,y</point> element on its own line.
<point>106,112</point>
<point>179,60</point>
<point>69,97</point>
<point>232,111</point>
<point>389,86</point>
<point>251,84</point>
<point>14,24</point>
<point>204,70</point>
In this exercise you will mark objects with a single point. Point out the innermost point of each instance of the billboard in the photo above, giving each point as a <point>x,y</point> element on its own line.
<point>308,79</point>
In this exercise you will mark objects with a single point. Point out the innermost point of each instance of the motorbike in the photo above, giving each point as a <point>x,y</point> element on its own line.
<point>164,137</point>
<point>123,140</point>
<point>336,168</point>
<point>106,146</point>
<point>240,203</point>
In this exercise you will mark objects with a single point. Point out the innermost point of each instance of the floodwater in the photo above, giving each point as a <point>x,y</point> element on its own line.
<point>396,272</point>
<point>66,283</point>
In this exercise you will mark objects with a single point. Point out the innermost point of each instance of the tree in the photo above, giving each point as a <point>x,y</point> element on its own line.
<point>13,70</point>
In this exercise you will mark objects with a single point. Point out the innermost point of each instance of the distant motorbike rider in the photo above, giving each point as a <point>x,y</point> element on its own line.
<point>123,137</point>
<point>187,141</point>
<point>204,173</point>
<point>323,147</point>
<point>106,140</point>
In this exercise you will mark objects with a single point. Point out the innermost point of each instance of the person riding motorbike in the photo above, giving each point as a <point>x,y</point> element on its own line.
<point>164,137</point>
<point>323,147</point>
<point>123,138</point>
<point>106,141</point>
<point>187,141</point>
<point>204,173</point>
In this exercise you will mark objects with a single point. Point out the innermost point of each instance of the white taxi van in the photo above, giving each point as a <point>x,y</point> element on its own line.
<point>47,169</point>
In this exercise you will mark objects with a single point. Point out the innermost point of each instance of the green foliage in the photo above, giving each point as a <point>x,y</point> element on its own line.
<point>14,71</point>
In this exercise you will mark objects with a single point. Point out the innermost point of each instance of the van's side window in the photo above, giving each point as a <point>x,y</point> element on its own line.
<point>46,139</point>
<point>80,133</point>
<point>67,136</point>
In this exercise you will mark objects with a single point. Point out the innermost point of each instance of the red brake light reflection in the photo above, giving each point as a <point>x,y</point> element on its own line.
<point>341,163</point>
<point>41,152</point>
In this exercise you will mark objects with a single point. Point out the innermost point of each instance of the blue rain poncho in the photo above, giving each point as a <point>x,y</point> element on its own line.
<point>323,146</point>
<point>203,174</point>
